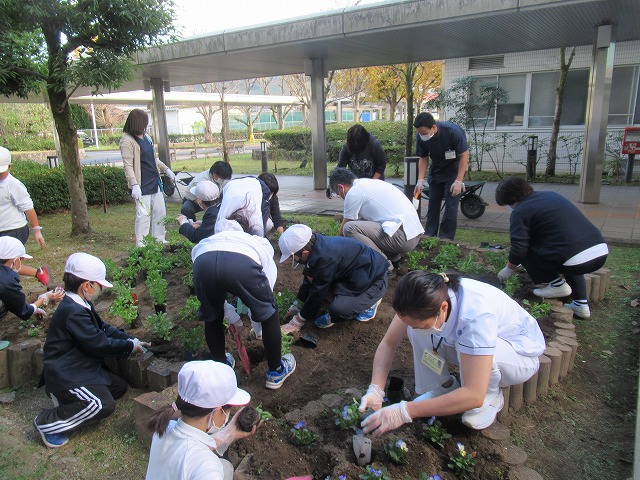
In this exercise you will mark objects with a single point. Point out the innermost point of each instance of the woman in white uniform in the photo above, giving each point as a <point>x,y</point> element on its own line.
<point>458,320</point>
<point>188,449</point>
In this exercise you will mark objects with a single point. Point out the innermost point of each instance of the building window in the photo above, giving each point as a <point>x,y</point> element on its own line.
<point>511,113</point>
<point>543,98</point>
<point>624,89</point>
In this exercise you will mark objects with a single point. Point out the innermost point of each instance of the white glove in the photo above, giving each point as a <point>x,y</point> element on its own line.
<point>136,193</point>
<point>138,346</point>
<point>386,419</point>
<point>505,273</point>
<point>372,399</point>
<point>231,315</point>
<point>457,188</point>
<point>293,310</point>
<point>182,219</point>
<point>418,190</point>
<point>38,312</point>
<point>170,175</point>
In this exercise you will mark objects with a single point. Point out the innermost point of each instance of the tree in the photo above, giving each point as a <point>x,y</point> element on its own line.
<point>386,85</point>
<point>300,86</point>
<point>352,83</point>
<point>108,116</point>
<point>250,118</point>
<point>207,110</point>
<point>57,46</point>
<point>565,65</point>
<point>280,112</point>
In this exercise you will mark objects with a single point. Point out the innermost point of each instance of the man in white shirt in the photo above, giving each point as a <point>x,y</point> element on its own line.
<point>377,214</point>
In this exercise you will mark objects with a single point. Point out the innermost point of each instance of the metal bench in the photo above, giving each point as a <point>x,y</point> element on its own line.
<point>237,145</point>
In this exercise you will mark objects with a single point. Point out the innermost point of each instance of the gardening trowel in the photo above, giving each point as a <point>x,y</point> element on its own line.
<point>242,351</point>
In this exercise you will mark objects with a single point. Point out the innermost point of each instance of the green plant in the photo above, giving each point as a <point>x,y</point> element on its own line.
<point>462,463</point>
<point>469,264</point>
<point>349,416</point>
<point>284,300</point>
<point>301,435</point>
<point>511,284</point>
<point>190,339</point>
<point>159,325</point>
<point>189,310</point>
<point>287,340</point>
<point>414,259</point>
<point>34,332</point>
<point>125,304</point>
<point>397,450</point>
<point>188,279</point>
<point>447,257</point>
<point>265,415</point>
<point>537,310</point>
<point>157,287</point>
<point>434,432</point>
<point>429,243</point>
<point>372,473</point>
<point>497,259</point>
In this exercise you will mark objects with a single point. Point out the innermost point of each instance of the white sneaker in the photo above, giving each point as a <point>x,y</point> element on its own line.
<point>563,290</point>
<point>441,390</point>
<point>482,417</point>
<point>580,310</point>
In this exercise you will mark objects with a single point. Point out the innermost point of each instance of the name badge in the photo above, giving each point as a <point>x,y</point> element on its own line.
<point>433,361</point>
<point>450,155</point>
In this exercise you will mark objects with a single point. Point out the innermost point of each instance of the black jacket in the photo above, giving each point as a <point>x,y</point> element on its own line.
<point>11,297</point>
<point>341,265</point>
<point>77,341</point>
<point>206,228</point>
<point>550,226</point>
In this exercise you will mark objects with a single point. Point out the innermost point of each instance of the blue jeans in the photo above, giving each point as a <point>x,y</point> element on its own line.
<point>437,192</point>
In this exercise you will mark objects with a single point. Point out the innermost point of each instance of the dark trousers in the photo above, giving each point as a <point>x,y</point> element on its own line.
<point>447,228</point>
<point>190,208</point>
<point>345,307</point>
<point>215,274</point>
<point>81,406</point>
<point>21,233</point>
<point>541,271</point>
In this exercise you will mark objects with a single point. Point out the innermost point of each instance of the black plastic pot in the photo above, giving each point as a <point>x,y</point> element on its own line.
<point>395,389</point>
<point>160,308</point>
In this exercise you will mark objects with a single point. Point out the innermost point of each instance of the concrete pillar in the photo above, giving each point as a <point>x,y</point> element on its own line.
<point>161,136</point>
<point>143,407</point>
<point>159,375</point>
<point>20,365</point>
<point>280,116</point>
<point>597,114</point>
<point>134,368</point>
<point>4,368</point>
<point>339,111</point>
<point>316,69</point>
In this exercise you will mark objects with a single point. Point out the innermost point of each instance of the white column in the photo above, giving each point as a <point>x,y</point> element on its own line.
<point>160,119</point>
<point>315,68</point>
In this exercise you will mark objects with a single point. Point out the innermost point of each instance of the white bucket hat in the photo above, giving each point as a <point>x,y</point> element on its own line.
<point>5,159</point>
<point>12,248</point>
<point>293,239</point>
<point>87,267</point>
<point>209,384</point>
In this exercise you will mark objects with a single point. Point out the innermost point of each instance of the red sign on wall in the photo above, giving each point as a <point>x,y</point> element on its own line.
<point>631,141</point>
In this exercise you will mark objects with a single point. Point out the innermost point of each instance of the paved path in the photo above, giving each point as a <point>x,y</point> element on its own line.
<point>617,215</point>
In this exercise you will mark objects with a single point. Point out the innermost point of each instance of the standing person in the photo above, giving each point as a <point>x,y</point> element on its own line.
<point>82,389</point>
<point>141,169</point>
<point>275,219</point>
<point>17,213</point>
<point>206,194</point>
<point>219,173</point>
<point>245,195</point>
<point>190,448</point>
<point>552,239</point>
<point>376,214</point>
<point>341,272</point>
<point>236,262</point>
<point>448,318</point>
<point>363,154</point>
<point>446,144</point>
<point>12,298</point>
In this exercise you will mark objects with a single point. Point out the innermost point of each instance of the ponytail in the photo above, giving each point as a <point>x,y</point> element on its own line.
<point>158,421</point>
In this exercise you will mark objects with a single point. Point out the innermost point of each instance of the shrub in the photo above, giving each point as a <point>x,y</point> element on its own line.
<point>189,312</point>
<point>157,287</point>
<point>159,325</point>
<point>191,339</point>
<point>297,138</point>
<point>125,304</point>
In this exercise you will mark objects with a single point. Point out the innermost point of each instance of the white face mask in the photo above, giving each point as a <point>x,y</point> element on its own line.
<point>17,261</point>
<point>213,428</point>
<point>437,329</point>
<point>426,138</point>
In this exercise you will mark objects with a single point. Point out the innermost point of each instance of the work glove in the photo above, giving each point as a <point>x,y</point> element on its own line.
<point>136,193</point>
<point>170,175</point>
<point>457,188</point>
<point>386,419</point>
<point>293,310</point>
<point>418,190</point>
<point>505,273</point>
<point>372,399</point>
<point>294,325</point>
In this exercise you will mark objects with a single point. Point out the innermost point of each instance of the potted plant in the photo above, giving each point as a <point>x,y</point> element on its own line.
<point>191,341</point>
<point>157,290</point>
<point>125,304</point>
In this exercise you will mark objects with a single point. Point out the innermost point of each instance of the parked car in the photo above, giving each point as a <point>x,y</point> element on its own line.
<point>87,141</point>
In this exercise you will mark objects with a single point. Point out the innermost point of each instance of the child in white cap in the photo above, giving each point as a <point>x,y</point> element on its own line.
<point>12,298</point>
<point>82,389</point>
<point>187,449</point>
<point>206,194</point>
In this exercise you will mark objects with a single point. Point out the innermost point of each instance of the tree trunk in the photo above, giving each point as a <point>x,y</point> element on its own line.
<point>70,158</point>
<point>557,115</point>
<point>410,70</point>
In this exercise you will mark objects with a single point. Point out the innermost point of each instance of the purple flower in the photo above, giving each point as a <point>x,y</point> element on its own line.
<point>432,420</point>
<point>299,425</point>
<point>342,477</point>
<point>435,477</point>
<point>345,412</point>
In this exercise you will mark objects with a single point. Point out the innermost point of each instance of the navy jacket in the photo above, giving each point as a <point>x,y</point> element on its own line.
<point>77,341</point>
<point>449,137</point>
<point>206,228</point>
<point>11,297</point>
<point>550,226</point>
<point>341,265</point>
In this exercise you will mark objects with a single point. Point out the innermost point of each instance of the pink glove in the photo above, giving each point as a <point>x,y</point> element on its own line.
<point>386,419</point>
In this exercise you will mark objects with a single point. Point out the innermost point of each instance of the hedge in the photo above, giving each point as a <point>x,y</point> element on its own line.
<point>48,186</point>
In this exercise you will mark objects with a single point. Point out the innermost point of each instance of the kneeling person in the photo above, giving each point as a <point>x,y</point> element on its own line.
<point>206,194</point>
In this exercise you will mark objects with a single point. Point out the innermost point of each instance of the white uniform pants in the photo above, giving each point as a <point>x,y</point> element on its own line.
<point>150,211</point>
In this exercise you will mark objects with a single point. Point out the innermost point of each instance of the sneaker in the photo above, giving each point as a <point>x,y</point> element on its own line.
<point>482,417</point>
<point>287,367</point>
<point>324,321</point>
<point>580,310</point>
<point>4,344</point>
<point>452,384</point>
<point>549,291</point>
<point>253,335</point>
<point>52,440</point>
<point>230,360</point>
<point>293,326</point>
<point>43,276</point>
<point>369,313</point>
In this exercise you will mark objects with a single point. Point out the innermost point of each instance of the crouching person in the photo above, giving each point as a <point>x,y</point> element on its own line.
<point>82,390</point>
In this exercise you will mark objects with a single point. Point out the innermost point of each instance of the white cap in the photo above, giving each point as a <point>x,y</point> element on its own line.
<point>5,161</point>
<point>12,248</point>
<point>293,239</point>
<point>209,384</point>
<point>206,191</point>
<point>87,267</point>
